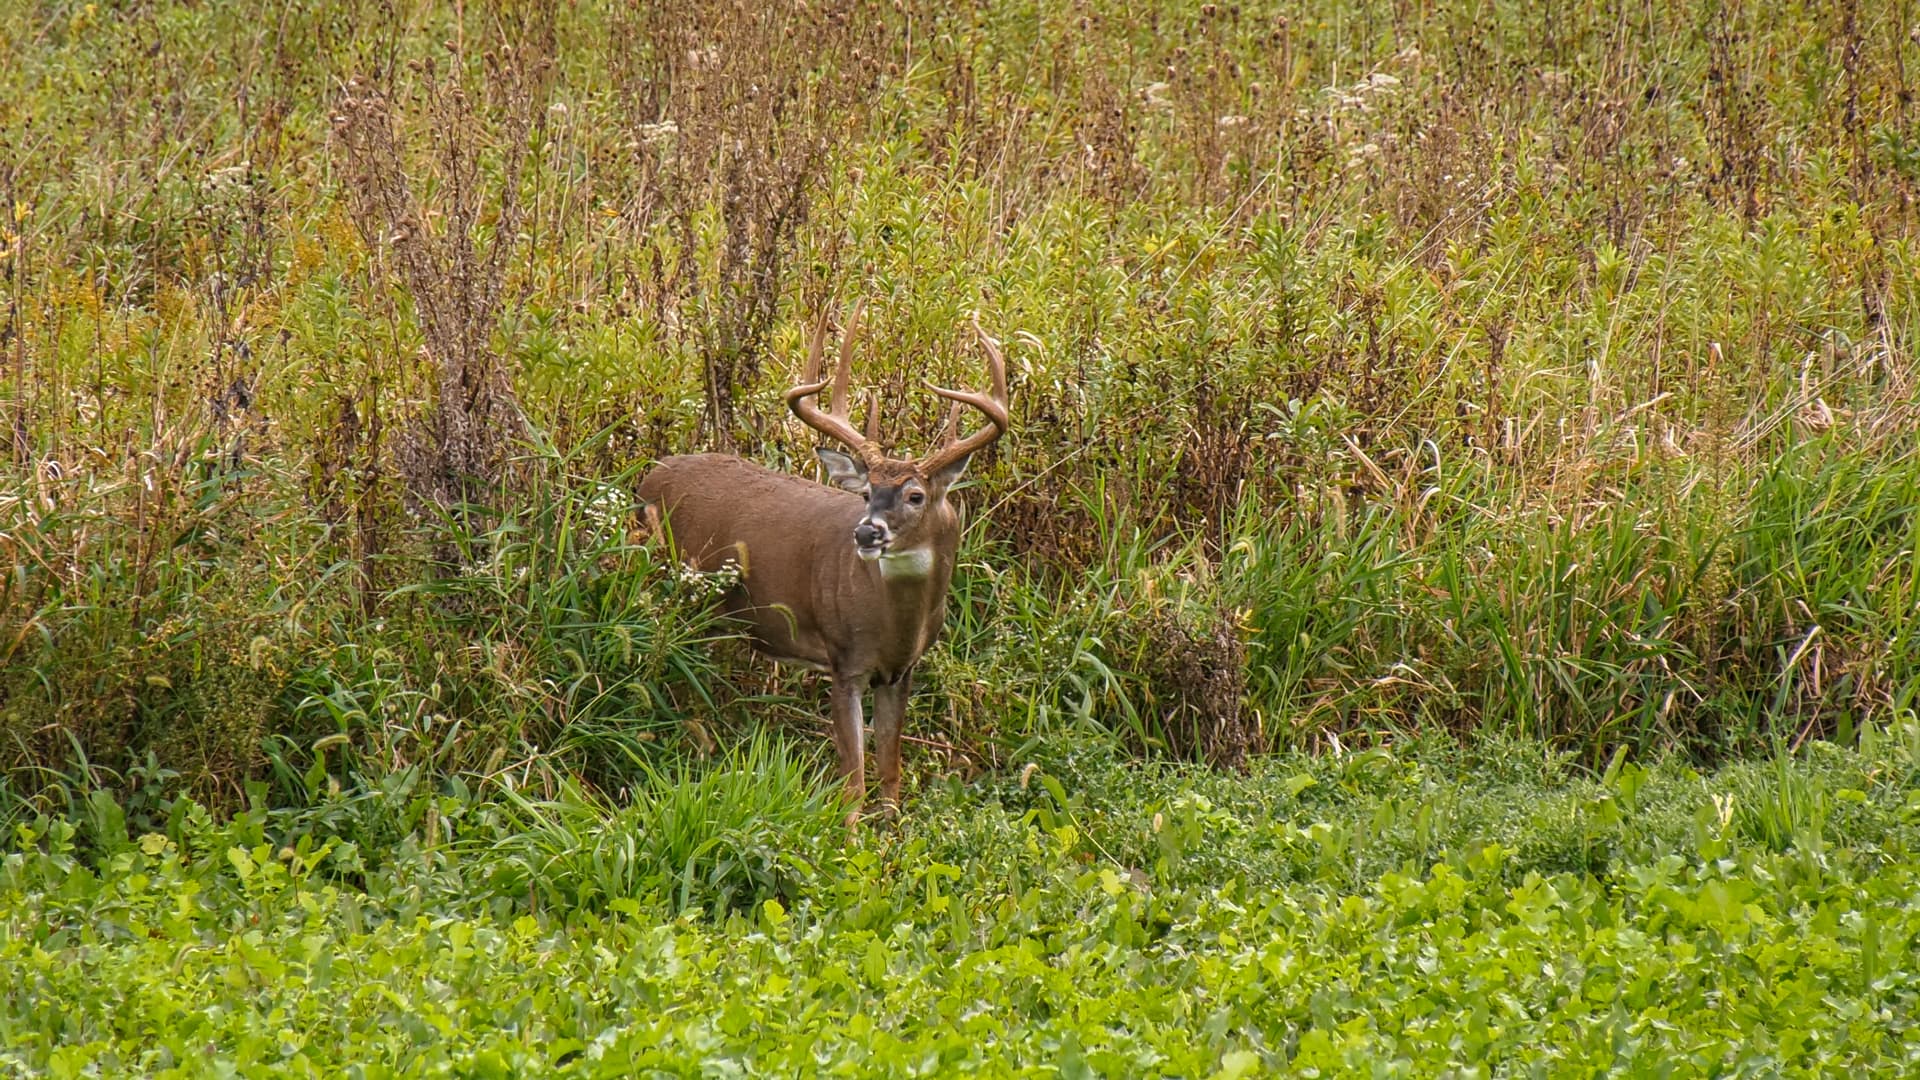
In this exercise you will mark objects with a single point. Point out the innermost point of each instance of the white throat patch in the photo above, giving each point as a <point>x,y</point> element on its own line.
<point>913,563</point>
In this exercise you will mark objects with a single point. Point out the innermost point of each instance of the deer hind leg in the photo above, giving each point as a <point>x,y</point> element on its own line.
<point>650,524</point>
<point>889,715</point>
<point>849,738</point>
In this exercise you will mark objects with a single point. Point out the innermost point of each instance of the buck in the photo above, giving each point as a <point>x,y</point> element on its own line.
<point>849,577</point>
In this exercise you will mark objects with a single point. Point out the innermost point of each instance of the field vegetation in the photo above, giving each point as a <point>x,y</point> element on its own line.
<point>1448,602</point>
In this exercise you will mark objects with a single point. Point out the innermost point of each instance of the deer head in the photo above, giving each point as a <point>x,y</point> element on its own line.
<point>906,499</point>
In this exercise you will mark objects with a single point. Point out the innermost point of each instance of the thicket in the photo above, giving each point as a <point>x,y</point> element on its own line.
<point>1378,370</point>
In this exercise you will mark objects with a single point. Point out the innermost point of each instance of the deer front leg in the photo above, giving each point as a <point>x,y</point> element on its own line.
<point>889,714</point>
<point>849,738</point>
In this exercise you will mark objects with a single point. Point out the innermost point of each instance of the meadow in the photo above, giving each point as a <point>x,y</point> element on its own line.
<point>1446,605</point>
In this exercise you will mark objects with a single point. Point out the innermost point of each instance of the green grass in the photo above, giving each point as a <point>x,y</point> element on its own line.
<point>748,829</point>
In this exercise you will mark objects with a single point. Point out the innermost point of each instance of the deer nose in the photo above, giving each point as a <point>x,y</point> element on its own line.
<point>870,533</point>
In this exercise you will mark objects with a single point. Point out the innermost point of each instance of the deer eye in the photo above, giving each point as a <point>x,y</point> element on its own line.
<point>915,498</point>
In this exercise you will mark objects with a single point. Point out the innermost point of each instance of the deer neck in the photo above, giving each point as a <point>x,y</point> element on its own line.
<point>899,569</point>
<point>912,585</point>
<point>912,580</point>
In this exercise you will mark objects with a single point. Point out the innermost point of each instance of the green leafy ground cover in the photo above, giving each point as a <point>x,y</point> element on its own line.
<point>1373,914</point>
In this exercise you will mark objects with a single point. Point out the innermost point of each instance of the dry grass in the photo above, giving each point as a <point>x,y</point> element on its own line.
<point>1517,368</point>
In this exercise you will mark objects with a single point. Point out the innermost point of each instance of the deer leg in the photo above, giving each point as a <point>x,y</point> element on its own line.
<point>889,714</point>
<point>849,737</point>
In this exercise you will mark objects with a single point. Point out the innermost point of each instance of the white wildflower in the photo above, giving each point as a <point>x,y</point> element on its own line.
<point>708,584</point>
<point>655,134</point>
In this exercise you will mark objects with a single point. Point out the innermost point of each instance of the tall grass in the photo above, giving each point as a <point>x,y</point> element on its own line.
<point>1376,370</point>
<point>754,826</point>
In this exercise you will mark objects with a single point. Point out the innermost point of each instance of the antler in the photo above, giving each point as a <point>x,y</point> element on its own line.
<point>994,404</point>
<point>834,422</point>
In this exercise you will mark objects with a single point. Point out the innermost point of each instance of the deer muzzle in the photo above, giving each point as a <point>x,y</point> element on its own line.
<point>870,538</point>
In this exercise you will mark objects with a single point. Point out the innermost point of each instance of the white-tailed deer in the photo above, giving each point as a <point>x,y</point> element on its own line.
<point>849,579</point>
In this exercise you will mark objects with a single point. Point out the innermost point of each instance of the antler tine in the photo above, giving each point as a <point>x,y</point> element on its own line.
<point>834,421</point>
<point>843,371</point>
<point>993,404</point>
<point>816,349</point>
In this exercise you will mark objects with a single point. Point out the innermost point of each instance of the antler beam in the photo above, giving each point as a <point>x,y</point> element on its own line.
<point>993,404</point>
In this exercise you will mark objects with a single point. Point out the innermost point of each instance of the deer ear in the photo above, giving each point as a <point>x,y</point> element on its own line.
<point>951,474</point>
<point>844,471</point>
